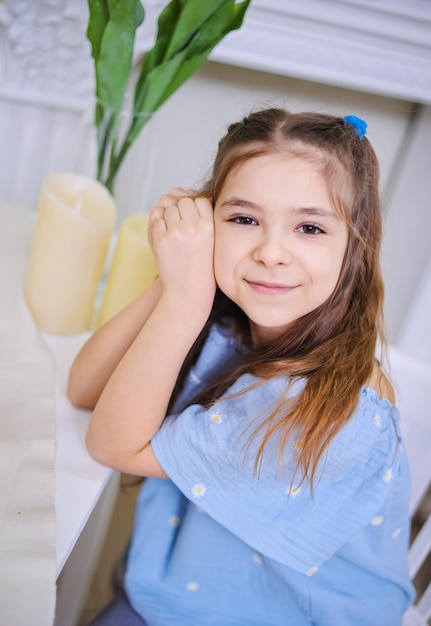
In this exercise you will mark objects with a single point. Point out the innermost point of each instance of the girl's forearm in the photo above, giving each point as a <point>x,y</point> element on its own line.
<point>134,401</point>
<point>101,354</point>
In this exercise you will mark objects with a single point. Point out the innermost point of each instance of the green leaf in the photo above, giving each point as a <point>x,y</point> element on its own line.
<point>99,16</point>
<point>188,30</point>
<point>157,82</point>
<point>193,16</point>
<point>226,18</point>
<point>114,60</point>
<point>166,22</point>
<point>154,87</point>
<point>112,23</point>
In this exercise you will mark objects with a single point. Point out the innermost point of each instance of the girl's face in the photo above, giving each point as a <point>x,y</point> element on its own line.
<point>279,243</point>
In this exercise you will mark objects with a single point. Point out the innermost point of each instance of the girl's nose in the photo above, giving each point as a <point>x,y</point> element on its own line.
<point>272,249</point>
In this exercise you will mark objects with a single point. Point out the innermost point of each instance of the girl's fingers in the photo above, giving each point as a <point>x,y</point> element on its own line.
<point>187,208</point>
<point>156,214</point>
<point>192,208</point>
<point>178,209</point>
<point>167,200</point>
<point>156,229</point>
<point>204,207</point>
<point>172,215</point>
<point>175,195</point>
<point>175,210</point>
<point>181,192</point>
<point>156,224</point>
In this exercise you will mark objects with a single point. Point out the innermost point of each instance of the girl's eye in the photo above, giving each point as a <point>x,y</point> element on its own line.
<point>242,219</point>
<point>310,229</point>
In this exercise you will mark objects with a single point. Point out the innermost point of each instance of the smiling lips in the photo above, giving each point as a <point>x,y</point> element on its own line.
<point>269,289</point>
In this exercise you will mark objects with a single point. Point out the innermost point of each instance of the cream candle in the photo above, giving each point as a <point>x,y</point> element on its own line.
<point>133,268</point>
<point>75,220</point>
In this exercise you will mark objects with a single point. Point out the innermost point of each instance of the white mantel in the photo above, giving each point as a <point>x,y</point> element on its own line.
<point>376,46</point>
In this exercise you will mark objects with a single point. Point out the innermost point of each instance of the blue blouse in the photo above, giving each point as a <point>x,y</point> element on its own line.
<point>219,544</point>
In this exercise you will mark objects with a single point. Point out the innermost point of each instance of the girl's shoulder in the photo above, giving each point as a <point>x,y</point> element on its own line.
<point>374,425</point>
<point>379,383</point>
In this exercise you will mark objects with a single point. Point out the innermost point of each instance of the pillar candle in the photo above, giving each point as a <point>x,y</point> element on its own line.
<point>133,268</point>
<point>74,223</point>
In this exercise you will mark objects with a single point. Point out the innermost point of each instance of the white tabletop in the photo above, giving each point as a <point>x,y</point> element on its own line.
<point>49,485</point>
<point>79,481</point>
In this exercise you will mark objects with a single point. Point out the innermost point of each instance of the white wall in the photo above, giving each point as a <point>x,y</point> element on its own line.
<point>406,257</point>
<point>185,131</point>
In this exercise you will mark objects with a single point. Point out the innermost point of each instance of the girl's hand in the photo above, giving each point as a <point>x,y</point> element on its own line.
<point>181,234</point>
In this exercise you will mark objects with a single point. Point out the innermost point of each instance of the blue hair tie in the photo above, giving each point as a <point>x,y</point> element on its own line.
<point>359,125</point>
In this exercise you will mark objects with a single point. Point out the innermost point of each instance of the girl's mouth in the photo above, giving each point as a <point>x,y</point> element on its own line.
<point>269,289</point>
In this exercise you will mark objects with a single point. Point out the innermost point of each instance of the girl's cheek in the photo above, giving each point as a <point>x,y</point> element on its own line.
<point>216,265</point>
<point>219,269</point>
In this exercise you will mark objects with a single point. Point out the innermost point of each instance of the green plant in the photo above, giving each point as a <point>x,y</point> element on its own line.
<point>188,30</point>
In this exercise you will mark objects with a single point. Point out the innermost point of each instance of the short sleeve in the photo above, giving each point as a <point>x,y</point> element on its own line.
<point>207,453</point>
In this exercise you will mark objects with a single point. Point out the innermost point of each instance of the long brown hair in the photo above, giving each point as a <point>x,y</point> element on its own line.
<point>333,347</point>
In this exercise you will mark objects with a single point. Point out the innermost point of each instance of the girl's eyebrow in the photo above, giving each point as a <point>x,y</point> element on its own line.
<point>248,204</point>
<point>234,201</point>
<point>318,211</point>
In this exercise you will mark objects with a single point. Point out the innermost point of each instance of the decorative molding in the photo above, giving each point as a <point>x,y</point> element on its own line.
<point>44,53</point>
<point>376,46</point>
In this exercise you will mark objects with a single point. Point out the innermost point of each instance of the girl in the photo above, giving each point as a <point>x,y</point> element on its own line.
<point>287,494</point>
